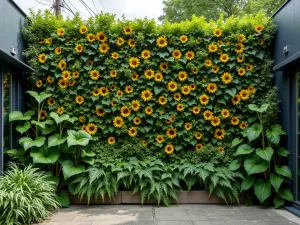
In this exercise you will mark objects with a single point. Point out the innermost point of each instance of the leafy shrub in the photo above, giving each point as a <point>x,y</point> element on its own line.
<point>26,196</point>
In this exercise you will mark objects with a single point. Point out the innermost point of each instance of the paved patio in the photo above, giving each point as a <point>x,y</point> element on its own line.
<point>175,215</point>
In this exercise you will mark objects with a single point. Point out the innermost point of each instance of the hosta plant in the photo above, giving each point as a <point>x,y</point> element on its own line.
<point>261,157</point>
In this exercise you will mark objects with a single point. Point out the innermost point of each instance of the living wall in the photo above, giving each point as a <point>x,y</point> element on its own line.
<point>157,105</point>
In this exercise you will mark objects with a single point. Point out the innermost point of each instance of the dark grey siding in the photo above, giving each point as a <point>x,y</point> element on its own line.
<point>11,22</point>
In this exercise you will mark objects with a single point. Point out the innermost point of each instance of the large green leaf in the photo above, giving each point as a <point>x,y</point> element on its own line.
<point>282,152</point>
<point>284,171</point>
<point>278,202</point>
<point>254,164</point>
<point>244,150</point>
<point>23,128</point>
<point>254,131</point>
<point>247,183</point>
<point>42,124</point>
<point>78,138</point>
<point>235,165</point>
<point>17,115</point>
<point>274,134</point>
<point>276,181</point>
<point>236,142</point>
<point>58,119</point>
<point>27,142</point>
<point>265,154</point>
<point>16,153</point>
<point>286,194</point>
<point>48,129</point>
<point>261,109</point>
<point>262,190</point>
<point>63,199</point>
<point>56,139</point>
<point>39,97</point>
<point>70,170</point>
<point>45,154</point>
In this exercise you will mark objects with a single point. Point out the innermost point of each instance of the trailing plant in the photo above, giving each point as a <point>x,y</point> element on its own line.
<point>26,196</point>
<point>262,158</point>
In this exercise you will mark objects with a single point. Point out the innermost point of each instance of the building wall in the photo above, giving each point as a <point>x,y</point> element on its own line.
<point>11,21</point>
<point>288,30</point>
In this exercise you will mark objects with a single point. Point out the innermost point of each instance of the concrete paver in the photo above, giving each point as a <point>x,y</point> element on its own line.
<point>174,215</point>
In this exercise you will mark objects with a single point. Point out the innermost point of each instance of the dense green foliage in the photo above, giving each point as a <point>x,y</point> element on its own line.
<point>26,196</point>
<point>180,10</point>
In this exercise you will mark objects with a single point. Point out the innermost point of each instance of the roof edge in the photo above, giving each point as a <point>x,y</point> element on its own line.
<point>4,56</point>
<point>274,14</point>
<point>18,7</point>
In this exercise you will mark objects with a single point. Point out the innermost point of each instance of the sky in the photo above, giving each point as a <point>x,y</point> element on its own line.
<point>151,9</point>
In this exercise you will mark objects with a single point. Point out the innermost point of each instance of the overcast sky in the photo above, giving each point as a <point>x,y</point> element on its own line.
<point>130,8</point>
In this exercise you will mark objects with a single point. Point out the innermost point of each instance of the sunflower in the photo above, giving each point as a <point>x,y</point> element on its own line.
<point>137,120</point>
<point>204,99</point>
<point>212,88</point>
<point>144,142</point>
<point>111,140</point>
<point>215,69</point>
<point>217,32</point>
<point>81,119</point>
<point>83,127</point>
<point>235,121</point>
<point>66,75</point>
<point>63,83</point>
<point>90,37</point>
<point>220,52</point>
<point>261,41</point>
<point>173,118</point>
<point>219,42</point>
<point>249,67</point>
<point>236,100</point>
<point>180,107</point>
<point>183,38</point>
<point>241,72</point>
<point>177,96</point>
<point>259,28</point>
<point>158,77</point>
<point>146,95</point>
<point>242,38</point>
<point>134,77</point>
<point>196,110</point>
<point>198,135</point>
<point>128,89</point>
<point>251,89</point>
<point>42,41</point>
<point>148,110</point>
<point>215,121</point>
<point>208,63</point>
<point>135,105</point>
<point>48,41</point>
<point>212,48</point>
<point>120,41</point>
<point>39,83</point>
<point>188,126</point>
<point>185,89</point>
<point>193,86</point>
<point>161,42</point>
<point>132,131</point>
<point>42,58</point>
<point>198,147</point>
<point>112,87</point>
<point>239,48</point>
<point>195,70</point>
<point>51,101</point>
<point>226,78</point>
<point>72,83</point>
<point>100,36</point>
<point>62,64</point>
<point>131,43</point>
<point>225,113</point>
<point>182,75</point>
<point>208,115</point>
<point>220,134</point>
<point>100,111</point>
<point>115,55</point>
<point>149,74</point>
<point>171,133</point>
<point>91,128</point>
<point>160,138</point>
<point>243,125</point>
<point>83,29</point>
<point>49,80</point>
<point>189,55</point>
<point>119,93</point>
<point>244,94</point>
<point>79,99</point>
<point>172,86</point>
<point>118,121</point>
<point>113,73</point>
<point>43,114</point>
<point>79,48</point>
<point>176,54</point>
<point>103,48</point>
<point>221,149</point>
<point>113,103</point>
<point>134,62</point>
<point>57,51</point>
<point>60,110</point>
<point>163,66</point>
<point>127,30</point>
<point>224,58</point>
<point>94,74</point>
<point>162,100</point>
<point>169,149</point>
<point>103,91</point>
<point>145,54</point>
<point>240,59</point>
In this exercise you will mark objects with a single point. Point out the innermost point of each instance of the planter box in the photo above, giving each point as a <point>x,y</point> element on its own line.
<point>127,197</point>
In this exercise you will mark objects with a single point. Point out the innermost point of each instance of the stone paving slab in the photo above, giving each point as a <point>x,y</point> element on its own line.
<point>174,215</point>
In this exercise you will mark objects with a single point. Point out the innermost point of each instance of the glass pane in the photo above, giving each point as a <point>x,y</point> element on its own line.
<point>6,108</point>
<point>298,138</point>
